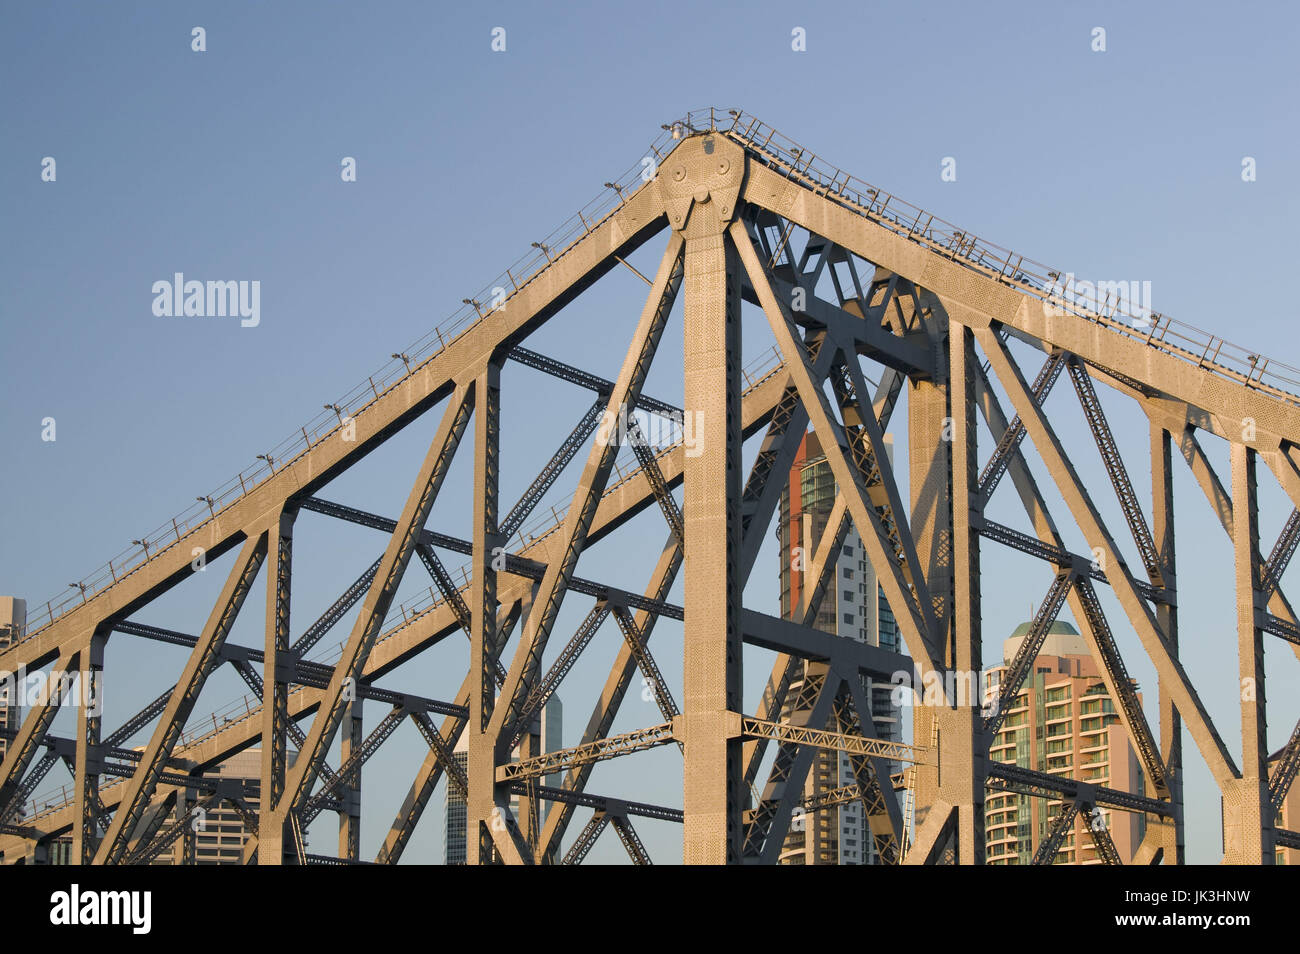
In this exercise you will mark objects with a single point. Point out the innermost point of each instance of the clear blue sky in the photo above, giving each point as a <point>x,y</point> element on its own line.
<point>225,165</point>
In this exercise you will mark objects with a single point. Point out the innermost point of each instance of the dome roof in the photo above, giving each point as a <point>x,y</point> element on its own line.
<point>1062,639</point>
<point>1059,627</point>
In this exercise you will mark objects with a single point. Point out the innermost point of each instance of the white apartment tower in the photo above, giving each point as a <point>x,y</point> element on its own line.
<point>854,608</point>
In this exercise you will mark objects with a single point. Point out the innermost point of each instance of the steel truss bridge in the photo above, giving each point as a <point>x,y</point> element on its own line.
<point>845,275</point>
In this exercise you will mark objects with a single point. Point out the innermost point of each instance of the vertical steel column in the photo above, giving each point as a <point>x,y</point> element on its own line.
<point>714,776</point>
<point>481,759</point>
<point>953,729</point>
<point>1247,810</point>
<point>185,850</point>
<point>272,846</point>
<point>350,794</point>
<point>930,468</point>
<point>1170,836</point>
<point>965,759</point>
<point>85,833</point>
<point>528,815</point>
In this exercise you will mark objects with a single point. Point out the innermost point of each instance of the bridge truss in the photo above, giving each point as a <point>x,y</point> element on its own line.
<point>865,296</point>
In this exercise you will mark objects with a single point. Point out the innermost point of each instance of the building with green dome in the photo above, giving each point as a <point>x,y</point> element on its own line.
<point>1063,722</point>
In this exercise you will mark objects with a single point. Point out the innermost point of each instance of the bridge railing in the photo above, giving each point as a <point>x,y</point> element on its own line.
<point>1059,291</point>
<point>334,417</point>
<point>48,802</point>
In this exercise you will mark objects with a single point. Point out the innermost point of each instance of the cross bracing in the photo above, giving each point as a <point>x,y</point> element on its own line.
<point>866,298</point>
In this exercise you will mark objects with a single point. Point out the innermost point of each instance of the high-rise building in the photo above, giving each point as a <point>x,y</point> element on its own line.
<point>1289,816</point>
<point>220,838</point>
<point>548,729</point>
<point>455,851</point>
<point>13,619</point>
<point>217,836</point>
<point>1062,722</point>
<point>220,833</point>
<point>853,607</point>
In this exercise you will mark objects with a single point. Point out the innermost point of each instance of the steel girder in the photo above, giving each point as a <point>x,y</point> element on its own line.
<point>748,221</point>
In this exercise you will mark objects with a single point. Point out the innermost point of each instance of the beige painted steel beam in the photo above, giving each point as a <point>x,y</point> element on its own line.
<point>920,314</point>
<point>714,793</point>
<point>203,659</point>
<point>1045,440</point>
<point>1247,809</point>
<point>379,597</point>
<point>914,612</point>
